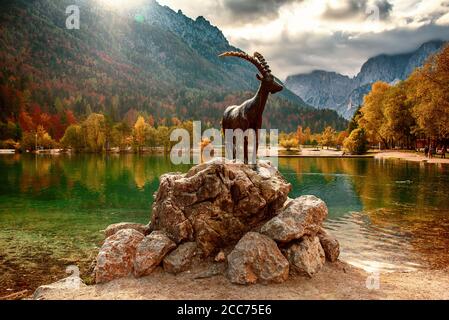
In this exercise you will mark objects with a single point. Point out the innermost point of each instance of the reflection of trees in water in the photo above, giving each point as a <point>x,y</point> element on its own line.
<point>401,201</point>
<point>90,171</point>
<point>380,183</point>
<point>102,178</point>
<point>327,166</point>
<point>425,231</point>
<point>327,178</point>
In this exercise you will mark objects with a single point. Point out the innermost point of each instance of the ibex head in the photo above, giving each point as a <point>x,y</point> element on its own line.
<point>265,75</point>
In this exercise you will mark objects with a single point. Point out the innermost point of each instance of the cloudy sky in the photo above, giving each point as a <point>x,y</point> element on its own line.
<point>336,35</point>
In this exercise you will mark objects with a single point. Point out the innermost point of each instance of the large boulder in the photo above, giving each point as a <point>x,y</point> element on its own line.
<point>330,245</point>
<point>180,259</point>
<point>306,257</point>
<point>216,203</point>
<point>299,217</point>
<point>256,258</point>
<point>150,252</point>
<point>116,256</point>
<point>113,228</point>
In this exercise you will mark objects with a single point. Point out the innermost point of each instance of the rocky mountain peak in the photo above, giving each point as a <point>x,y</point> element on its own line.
<point>324,89</point>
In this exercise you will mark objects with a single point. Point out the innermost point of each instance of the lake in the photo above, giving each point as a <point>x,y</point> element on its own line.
<point>388,215</point>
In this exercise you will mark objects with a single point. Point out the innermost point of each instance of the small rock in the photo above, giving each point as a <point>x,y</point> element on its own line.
<point>214,270</point>
<point>306,257</point>
<point>70,283</point>
<point>151,251</point>
<point>180,259</point>
<point>301,216</point>
<point>257,258</point>
<point>113,228</point>
<point>220,257</point>
<point>116,256</point>
<point>330,245</point>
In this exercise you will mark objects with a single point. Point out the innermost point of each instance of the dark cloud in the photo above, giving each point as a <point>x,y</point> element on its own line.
<point>249,11</point>
<point>341,52</point>
<point>385,8</point>
<point>358,9</point>
<point>299,50</point>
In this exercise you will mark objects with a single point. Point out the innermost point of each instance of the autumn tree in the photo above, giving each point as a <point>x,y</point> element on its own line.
<point>140,133</point>
<point>289,143</point>
<point>429,94</point>
<point>340,138</point>
<point>398,115</point>
<point>307,135</point>
<point>94,132</point>
<point>300,135</point>
<point>373,119</point>
<point>357,142</point>
<point>327,138</point>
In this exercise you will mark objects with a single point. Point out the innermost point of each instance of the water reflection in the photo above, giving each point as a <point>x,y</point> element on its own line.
<point>388,215</point>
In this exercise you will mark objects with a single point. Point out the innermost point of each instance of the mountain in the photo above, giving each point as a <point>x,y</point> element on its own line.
<point>324,89</point>
<point>147,59</point>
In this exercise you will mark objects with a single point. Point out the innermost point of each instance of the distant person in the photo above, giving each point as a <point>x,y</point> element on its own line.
<point>431,152</point>
<point>443,152</point>
<point>426,151</point>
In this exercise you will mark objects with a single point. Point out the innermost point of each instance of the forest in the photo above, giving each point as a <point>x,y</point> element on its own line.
<point>411,111</point>
<point>392,116</point>
<point>121,68</point>
<point>408,115</point>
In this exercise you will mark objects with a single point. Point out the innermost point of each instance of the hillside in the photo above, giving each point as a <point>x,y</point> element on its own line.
<point>149,60</point>
<point>324,89</point>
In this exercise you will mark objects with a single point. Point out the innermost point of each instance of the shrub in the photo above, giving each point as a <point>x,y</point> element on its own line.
<point>289,143</point>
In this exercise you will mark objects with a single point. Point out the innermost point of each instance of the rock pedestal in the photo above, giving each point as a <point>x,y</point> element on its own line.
<point>216,203</point>
<point>223,212</point>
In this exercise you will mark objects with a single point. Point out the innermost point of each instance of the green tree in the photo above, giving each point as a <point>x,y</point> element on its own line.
<point>163,137</point>
<point>354,123</point>
<point>73,138</point>
<point>94,132</point>
<point>121,135</point>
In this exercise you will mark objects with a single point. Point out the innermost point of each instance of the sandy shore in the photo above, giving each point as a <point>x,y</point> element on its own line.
<point>410,156</point>
<point>334,281</point>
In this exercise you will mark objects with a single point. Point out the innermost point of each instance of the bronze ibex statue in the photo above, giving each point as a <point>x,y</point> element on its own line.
<point>248,115</point>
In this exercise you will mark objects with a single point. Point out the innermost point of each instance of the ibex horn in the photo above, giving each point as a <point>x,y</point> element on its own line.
<point>262,68</point>
<point>262,61</point>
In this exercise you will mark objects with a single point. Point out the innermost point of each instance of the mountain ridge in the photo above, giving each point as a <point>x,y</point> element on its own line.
<point>165,65</point>
<point>329,89</point>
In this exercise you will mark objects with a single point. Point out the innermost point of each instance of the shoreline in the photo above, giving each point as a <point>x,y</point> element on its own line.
<point>335,281</point>
<point>410,156</point>
<point>363,156</point>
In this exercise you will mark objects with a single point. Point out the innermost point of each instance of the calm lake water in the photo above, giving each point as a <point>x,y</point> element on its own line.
<point>388,215</point>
